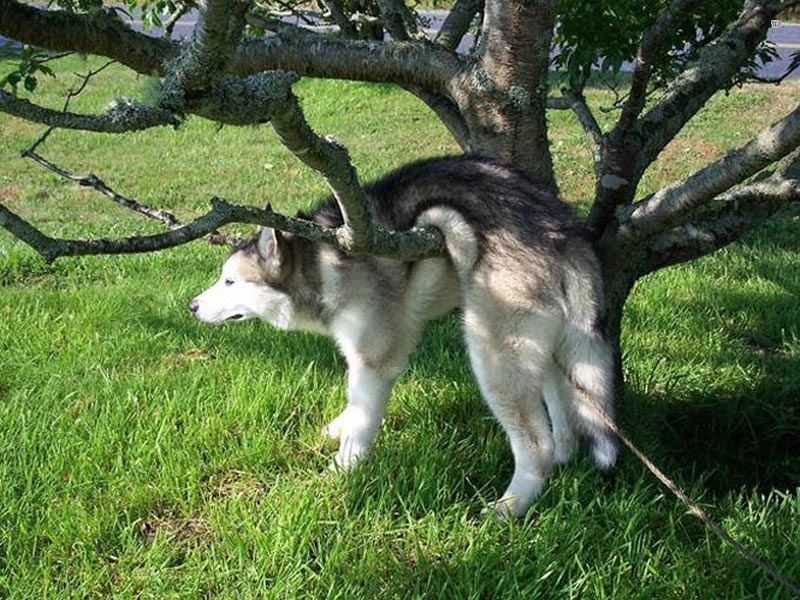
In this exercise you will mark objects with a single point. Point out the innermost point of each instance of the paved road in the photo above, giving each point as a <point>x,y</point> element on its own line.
<point>786,37</point>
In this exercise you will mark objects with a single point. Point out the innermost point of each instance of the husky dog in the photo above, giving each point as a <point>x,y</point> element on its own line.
<point>518,264</point>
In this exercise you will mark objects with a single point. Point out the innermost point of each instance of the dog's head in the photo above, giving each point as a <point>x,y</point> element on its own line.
<point>251,283</point>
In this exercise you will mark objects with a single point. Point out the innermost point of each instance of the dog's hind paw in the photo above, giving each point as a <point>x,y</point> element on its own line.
<point>605,450</point>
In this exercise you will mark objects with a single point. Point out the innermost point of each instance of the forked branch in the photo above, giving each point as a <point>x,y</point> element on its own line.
<point>722,222</point>
<point>91,180</point>
<point>401,245</point>
<point>652,44</point>
<point>197,81</point>
<point>675,203</point>
<point>635,145</point>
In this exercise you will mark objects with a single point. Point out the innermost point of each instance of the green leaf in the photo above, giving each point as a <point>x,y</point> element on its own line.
<point>47,70</point>
<point>30,83</point>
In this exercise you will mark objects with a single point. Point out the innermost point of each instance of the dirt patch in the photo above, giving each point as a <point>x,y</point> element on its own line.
<point>235,484</point>
<point>191,355</point>
<point>10,192</point>
<point>176,527</point>
<point>781,102</point>
<point>695,150</point>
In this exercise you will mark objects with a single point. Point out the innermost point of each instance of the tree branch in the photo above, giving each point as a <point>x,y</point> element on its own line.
<point>398,19</point>
<point>100,32</point>
<point>183,7</point>
<point>448,113</point>
<point>417,63</point>
<point>339,17</point>
<point>330,159</point>
<point>651,44</point>
<point>457,23</point>
<point>203,59</point>
<point>401,245</point>
<point>594,134</point>
<point>166,218</point>
<point>103,33</point>
<point>724,221</point>
<point>121,116</point>
<point>669,205</point>
<point>716,65</point>
<point>626,159</point>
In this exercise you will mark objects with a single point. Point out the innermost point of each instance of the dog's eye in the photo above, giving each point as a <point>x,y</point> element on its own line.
<point>229,282</point>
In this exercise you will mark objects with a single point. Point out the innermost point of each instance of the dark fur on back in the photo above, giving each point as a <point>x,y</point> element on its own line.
<point>487,193</point>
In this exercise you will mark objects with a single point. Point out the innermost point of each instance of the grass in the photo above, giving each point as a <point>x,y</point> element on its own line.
<point>147,455</point>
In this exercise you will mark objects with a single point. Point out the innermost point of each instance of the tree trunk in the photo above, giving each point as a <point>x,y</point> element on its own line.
<point>617,289</point>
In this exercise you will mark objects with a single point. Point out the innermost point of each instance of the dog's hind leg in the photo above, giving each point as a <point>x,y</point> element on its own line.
<point>556,396</point>
<point>586,363</point>
<point>509,357</point>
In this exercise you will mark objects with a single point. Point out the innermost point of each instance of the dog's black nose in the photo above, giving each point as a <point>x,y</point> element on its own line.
<point>193,306</point>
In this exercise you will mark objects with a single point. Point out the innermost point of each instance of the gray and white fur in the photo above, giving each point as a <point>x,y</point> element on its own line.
<point>518,264</point>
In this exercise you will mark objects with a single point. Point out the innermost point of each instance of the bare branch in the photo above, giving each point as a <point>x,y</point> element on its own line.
<point>403,245</point>
<point>184,7</point>
<point>330,159</point>
<point>102,33</point>
<point>724,221</point>
<point>457,23</point>
<point>417,63</point>
<point>651,44</point>
<point>558,103</point>
<point>121,116</point>
<point>789,167</point>
<point>203,59</point>
<point>594,134</point>
<point>340,18</point>
<point>71,93</point>
<point>666,207</point>
<point>716,65</point>
<point>277,25</point>
<point>290,10</point>
<point>448,113</point>
<point>166,218</point>
<point>628,156</point>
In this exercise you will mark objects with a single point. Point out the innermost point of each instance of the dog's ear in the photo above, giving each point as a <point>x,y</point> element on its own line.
<point>273,248</point>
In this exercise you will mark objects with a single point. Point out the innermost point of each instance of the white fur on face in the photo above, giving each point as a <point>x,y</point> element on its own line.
<point>233,298</point>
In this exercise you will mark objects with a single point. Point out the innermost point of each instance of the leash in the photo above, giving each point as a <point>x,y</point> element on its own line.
<point>693,506</point>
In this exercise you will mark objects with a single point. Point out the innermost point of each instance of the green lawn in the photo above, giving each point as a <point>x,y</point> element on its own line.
<point>147,455</point>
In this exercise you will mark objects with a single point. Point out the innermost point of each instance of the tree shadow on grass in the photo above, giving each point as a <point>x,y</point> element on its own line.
<point>743,442</point>
<point>745,438</point>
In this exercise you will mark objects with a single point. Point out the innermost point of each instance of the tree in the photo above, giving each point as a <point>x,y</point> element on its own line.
<point>241,60</point>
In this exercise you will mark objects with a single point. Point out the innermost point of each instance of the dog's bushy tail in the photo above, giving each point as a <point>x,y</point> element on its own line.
<point>459,237</point>
<point>586,360</point>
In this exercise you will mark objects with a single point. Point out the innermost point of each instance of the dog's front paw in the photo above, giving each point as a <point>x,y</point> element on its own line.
<point>507,507</point>
<point>342,425</point>
<point>349,455</point>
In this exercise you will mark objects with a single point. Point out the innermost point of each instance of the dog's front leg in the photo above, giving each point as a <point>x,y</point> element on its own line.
<point>368,391</point>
